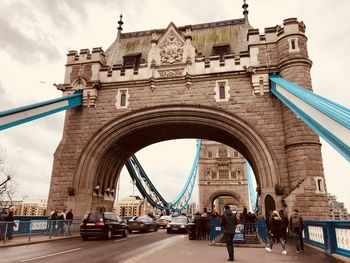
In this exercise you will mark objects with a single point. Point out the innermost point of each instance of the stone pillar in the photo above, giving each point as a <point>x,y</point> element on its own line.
<point>303,148</point>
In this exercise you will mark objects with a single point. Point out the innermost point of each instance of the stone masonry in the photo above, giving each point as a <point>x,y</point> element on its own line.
<point>205,81</point>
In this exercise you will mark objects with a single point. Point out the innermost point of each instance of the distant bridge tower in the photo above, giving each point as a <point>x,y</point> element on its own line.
<point>222,177</point>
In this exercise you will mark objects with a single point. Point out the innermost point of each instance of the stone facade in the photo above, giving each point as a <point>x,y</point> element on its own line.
<point>221,173</point>
<point>205,81</point>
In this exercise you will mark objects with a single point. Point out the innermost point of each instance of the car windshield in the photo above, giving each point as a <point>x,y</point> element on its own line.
<point>182,220</point>
<point>142,218</point>
<point>165,218</point>
<point>95,217</point>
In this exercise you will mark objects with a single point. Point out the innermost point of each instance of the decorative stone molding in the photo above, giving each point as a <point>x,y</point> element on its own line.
<point>170,73</point>
<point>171,50</point>
<point>260,84</point>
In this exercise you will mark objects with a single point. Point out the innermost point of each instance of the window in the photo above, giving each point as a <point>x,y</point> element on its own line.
<point>223,152</point>
<point>223,174</point>
<point>122,99</point>
<point>221,50</point>
<point>222,91</point>
<point>233,175</point>
<point>210,154</point>
<point>214,175</point>
<point>319,184</point>
<point>293,45</point>
<point>132,60</point>
<point>238,173</point>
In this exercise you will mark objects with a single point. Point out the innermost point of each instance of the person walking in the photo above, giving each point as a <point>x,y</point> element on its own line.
<point>296,225</point>
<point>285,224</point>
<point>197,222</point>
<point>69,218</point>
<point>276,232</point>
<point>229,222</point>
<point>204,221</point>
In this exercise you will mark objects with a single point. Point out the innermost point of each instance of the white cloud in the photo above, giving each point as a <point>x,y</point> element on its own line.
<point>39,33</point>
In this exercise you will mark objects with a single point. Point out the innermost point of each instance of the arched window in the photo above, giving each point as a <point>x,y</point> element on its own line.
<point>222,152</point>
<point>123,99</point>
<point>222,92</point>
<point>210,154</point>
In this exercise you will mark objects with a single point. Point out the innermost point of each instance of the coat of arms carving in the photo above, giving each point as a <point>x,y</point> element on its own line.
<point>171,51</point>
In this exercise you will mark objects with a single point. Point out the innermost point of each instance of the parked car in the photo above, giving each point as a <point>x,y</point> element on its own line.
<point>102,224</point>
<point>178,224</point>
<point>142,223</point>
<point>163,221</point>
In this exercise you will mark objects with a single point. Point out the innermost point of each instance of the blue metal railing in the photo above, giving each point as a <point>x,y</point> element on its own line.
<point>331,235</point>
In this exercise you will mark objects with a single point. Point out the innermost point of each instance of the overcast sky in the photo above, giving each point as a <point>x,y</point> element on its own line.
<point>36,36</point>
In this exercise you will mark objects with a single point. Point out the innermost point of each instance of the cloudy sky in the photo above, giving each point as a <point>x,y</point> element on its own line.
<point>36,36</point>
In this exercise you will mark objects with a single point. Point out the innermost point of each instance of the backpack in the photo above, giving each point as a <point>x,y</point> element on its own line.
<point>296,221</point>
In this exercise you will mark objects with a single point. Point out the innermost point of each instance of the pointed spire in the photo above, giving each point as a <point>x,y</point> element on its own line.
<point>245,10</point>
<point>120,23</point>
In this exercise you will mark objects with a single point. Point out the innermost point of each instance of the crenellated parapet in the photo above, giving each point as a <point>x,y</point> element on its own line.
<point>82,73</point>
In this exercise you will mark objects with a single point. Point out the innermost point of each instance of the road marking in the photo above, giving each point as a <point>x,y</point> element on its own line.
<point>138,258</point>
<point>51,255</point>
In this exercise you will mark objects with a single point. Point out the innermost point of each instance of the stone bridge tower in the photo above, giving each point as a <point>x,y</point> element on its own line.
<point>222,173</point>
<point>207,81</point>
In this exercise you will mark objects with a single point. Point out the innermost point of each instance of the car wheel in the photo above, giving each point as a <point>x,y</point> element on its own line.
<point>130,231</point>
<point>125,233</point>
<point>109,234</point>
<point>156,228</point>
<point>168,231</point>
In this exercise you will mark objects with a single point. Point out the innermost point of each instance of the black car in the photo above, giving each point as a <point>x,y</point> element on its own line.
<point>102,224</point>
<point>178,224</point>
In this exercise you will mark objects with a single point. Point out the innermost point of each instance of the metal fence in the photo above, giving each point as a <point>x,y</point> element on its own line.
<point>258,228</point>
<point>332,236</point>
<point>31,228</point>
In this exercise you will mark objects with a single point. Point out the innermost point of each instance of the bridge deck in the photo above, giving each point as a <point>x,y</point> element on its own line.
<point>184,250</point>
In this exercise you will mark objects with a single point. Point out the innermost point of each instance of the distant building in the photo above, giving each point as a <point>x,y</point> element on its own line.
<point>29,206</point>
<point>132,206</point>
<point>33,206</point>
<point>337,209</point>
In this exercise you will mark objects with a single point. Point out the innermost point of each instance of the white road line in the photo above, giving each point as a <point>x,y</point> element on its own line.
<point>50,255</point>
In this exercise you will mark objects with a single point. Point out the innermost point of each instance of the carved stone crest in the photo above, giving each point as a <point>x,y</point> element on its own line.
<point>170,73</point>
<point>171,51</point>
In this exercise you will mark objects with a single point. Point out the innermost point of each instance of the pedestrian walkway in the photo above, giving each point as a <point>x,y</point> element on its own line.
<point>19,240</point>
<point>185,250</point>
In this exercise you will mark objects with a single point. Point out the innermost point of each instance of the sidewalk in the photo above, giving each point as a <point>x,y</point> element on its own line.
<point>20,240</point>
<point>185,250</point>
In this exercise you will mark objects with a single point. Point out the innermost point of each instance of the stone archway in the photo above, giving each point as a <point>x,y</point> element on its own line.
<point>103,157</point>
<point>237,198</point>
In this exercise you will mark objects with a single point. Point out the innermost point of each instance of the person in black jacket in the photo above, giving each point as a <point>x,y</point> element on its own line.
<point>69,218</point>
<point>296,225</point>
<point>285,224</point>
<point>229,222</point>
<point>276,232</point>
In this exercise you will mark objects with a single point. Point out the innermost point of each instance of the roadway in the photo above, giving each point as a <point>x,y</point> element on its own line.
<point>93,250</point>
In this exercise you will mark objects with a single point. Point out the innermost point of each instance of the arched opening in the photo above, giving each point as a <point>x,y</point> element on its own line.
<point>270,205</point>
<point>103,157</point>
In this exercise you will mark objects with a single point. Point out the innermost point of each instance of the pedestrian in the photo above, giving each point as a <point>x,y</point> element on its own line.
<point>229,222</point>
<point>296,225</point>
<point>61,222</point>
<point>10,224</point>
<point>244,219</point>
<point>197,222</point>
<point>285,223</point>
<point>69,218</point>
<point>268,227</point>
<point>3,215</point>
<point>204,221</point>
<point>276,232</point>
<point>53,222</point>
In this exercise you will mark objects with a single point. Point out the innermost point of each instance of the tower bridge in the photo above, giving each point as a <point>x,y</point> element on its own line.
<point>221,81</point>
